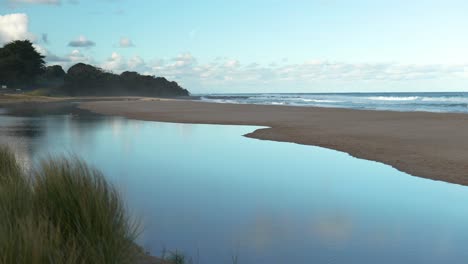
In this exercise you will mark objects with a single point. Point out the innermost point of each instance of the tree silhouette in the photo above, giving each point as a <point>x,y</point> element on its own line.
<point>84,79</point>
<point>20,64</point>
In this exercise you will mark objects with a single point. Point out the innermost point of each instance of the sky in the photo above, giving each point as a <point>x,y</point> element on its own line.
<point>244,46</point>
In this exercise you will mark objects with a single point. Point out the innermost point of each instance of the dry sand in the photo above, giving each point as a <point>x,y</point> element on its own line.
<point>429,145</point>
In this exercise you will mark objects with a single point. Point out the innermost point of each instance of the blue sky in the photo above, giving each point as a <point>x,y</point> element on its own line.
<point>256,46</point>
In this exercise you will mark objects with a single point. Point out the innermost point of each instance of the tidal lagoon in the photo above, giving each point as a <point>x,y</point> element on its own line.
<point>212,194</point>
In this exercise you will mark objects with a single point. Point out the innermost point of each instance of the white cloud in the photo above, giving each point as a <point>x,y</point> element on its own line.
<point>115,63</point>
<point>46,2</point>
<point>68,60</point>
<point>43,51</point>
<point>14,27</point>
<point>49,56</point>
<point>232,64</point>
<point>76,56</point>
<point>135,62</point>
<point>225,73</point>
<point>125,43</point>
<point>81,42</point>
<point>118,63</point>
<point>231,75</point>
<point>183,60</point>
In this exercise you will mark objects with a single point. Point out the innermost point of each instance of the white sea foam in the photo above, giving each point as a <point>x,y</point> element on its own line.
<point>222,101</point>
<point>431,102</point>
<point>321,101</point>
<point>393,98</point>
<point>445,99</point>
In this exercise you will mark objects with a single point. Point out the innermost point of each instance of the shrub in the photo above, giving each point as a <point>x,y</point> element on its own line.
<point>67,213</point>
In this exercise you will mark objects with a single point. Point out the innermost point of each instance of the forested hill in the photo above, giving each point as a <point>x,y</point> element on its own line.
<point>84,79</point>
<point>22,67</point>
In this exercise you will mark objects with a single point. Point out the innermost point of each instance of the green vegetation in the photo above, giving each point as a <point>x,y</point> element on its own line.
<point>84,79</point>
<point>22,67</point>
<point>40,92</point>
<point>176,258</point>
<point>63,212</point>
<point>20,64</point>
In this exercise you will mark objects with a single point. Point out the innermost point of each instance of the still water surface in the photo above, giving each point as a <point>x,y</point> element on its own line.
<point>209,192</point>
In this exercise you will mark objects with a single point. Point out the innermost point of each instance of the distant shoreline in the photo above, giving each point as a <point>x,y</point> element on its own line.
<point>424,144</point>
<point>18,98</point>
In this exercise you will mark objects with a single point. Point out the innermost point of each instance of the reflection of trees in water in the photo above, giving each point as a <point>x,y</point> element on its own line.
<point>33,136</point>
<point>19,133</point>
<point>35,109</point>
<point>27,131</point>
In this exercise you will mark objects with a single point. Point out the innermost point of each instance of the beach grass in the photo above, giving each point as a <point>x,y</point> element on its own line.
<point>62,212</point>
<point>176,257</point>
<point>40,92</point>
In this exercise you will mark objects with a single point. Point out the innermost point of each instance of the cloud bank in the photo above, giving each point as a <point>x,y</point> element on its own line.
<point>221,71</point>
<point>230,75</point>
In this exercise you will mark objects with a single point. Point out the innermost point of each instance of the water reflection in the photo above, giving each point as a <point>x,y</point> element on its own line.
<point>205,188</point>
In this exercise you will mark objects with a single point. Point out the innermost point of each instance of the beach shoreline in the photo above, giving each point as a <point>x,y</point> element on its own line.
<point>423,144</point>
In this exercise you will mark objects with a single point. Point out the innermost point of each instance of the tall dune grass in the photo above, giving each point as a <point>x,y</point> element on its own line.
<point>63,212</point>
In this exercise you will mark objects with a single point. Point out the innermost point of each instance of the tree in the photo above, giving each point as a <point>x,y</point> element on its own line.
<point>54,72</point>
<point>20,64</point>
<point>84,79</point>
<point>52,77</point>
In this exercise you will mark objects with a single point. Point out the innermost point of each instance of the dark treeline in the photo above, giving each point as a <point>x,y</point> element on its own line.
<point>83,79</point>
<point>21,66</point>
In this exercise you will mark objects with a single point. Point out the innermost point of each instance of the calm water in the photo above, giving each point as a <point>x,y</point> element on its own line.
<point>453,102</point>
<point>207,189</point>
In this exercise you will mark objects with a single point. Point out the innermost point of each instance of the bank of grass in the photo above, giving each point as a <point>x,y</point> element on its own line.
<point>39,92</point>
<point>62,212</point>
<point>23,98</point>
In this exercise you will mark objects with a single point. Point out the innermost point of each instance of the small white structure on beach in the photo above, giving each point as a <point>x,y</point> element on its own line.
<point>4,86</point>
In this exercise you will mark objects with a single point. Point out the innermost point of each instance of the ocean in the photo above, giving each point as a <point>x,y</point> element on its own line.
<point>445,102</point>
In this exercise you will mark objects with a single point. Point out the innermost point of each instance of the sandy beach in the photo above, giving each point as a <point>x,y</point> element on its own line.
<point>429,145</point>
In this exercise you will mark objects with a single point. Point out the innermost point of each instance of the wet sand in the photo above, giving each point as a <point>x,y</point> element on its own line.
<point>429,145</point>
<point>10,99</point>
